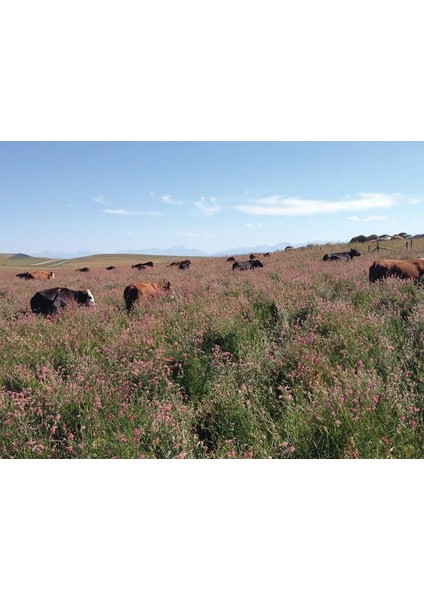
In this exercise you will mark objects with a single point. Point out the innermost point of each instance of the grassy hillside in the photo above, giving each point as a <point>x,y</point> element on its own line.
<point>13,261</point>
<point>300,359</point>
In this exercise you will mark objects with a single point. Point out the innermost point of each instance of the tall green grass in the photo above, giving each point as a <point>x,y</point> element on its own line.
<point>300,359</point>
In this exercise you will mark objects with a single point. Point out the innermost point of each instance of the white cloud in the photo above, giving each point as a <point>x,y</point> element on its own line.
<point>294,207</point>
<point>366,219</point>
<point>135,213</point>
<point>416,201</point>
<point>116,211</point>
<point>189,234</point>
<point>100,200</point>
<point>253,224</point>
<point>208,206</point>
<point>169,200</point>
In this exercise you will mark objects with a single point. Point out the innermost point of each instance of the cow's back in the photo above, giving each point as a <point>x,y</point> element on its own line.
<point>403,269</point>
<point>134,292</point>
<point>50,300</point>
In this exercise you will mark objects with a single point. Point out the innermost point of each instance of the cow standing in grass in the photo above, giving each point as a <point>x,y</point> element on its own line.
<point>402,269</point>
<point>135,292</point>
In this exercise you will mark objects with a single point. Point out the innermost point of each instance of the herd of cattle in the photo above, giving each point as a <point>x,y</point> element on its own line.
<point>48,301</point>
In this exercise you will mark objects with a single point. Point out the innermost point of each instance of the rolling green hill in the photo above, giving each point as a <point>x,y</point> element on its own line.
<point>24,261</point>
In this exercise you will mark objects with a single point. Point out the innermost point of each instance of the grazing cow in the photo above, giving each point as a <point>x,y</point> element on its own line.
<point>47,302</point>
<point>82,270</point>
<point>342,255</point>
<point>403,269</point>
<point>111,268</point>
<point>43,275</point>
<point>186,264</point>
<point>231,259</point>
<point>134,292</point>
<point>266,254</point>
<point>247,265</point>
<point>142,265</point>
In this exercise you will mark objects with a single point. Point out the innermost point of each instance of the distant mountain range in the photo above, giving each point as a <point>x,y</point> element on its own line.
<point>181,250</point>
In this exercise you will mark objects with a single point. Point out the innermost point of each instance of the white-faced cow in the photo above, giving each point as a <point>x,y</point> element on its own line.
<point>247,265</point>
<point>47,302</point>
<point>342,255</point>
<point>403,269</point>
<point>134,292</point>
<point>42,275</point>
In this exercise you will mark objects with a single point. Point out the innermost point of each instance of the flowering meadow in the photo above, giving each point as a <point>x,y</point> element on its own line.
<point>299,359</point>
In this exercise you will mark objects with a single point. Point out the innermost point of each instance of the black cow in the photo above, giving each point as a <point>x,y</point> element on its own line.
<point>231,259</point>
<point>247,265</point>
<point>47,302</point>
<point>342,255</point>
<point>183,264</point>
<point>111,268</point>
<point>141,266</point>
<point>82,270</point>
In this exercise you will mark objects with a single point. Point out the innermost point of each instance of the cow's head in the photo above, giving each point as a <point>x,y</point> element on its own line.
<point>85,298</point>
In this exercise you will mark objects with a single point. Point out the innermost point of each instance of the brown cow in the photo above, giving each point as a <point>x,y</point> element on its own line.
<point>404,269</point>
<point>43,275</point>
<point>134,292</point>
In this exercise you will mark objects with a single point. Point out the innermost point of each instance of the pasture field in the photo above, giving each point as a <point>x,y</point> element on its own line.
<point>300,359</point>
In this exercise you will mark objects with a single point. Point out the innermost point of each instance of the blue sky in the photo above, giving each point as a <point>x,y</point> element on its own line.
<point>127,196</point>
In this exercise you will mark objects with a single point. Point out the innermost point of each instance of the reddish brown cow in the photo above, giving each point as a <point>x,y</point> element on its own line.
<point>43,275</point>
<point>134,292</point>
<point>403,269</point>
